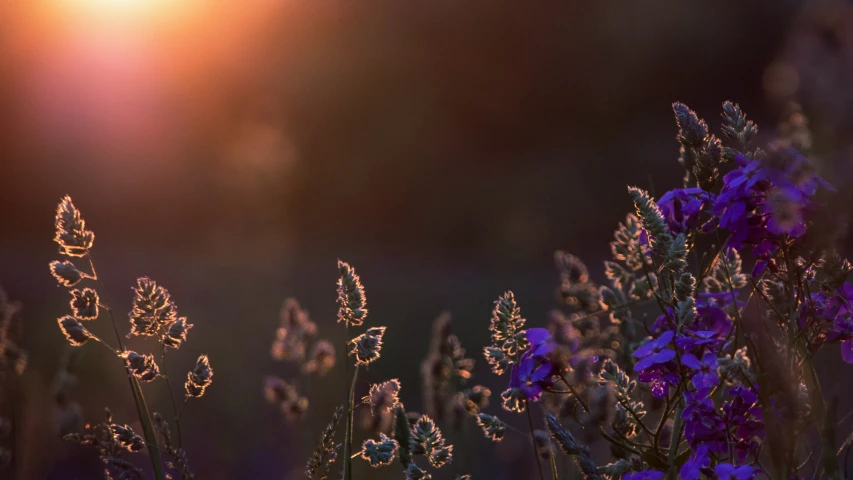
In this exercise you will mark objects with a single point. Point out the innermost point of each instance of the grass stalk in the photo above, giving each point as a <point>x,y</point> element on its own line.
<point>138,396</point>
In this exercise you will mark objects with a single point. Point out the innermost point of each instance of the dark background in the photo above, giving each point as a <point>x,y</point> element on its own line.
<point>445,149</point>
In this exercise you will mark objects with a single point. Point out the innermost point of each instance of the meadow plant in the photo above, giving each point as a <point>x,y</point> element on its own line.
<point>718,383</point>
<point>694,359</point>
<point>153,315</point>
<point>721,383</point>
<point>401,436</point>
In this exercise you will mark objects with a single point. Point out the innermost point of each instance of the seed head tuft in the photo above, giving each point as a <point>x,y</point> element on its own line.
<point>152,308</point>
<point>507,334</point>
<point>71,234</point>
<point>380,453</point>
<point>352,303</point>
<point>367,346</point>
<point>199,378</point>
<point>294,333</point>
<point>177,334</point>
<point>493,427</point>
<point>84,305</point>
<point>74,331</point>
<point>326,452</point>
<point>66,273</point>
<point>383,397</point>
<point>321,359</point>
<point>414,472</point>
<point>127,438</point>
<point>142,366</point>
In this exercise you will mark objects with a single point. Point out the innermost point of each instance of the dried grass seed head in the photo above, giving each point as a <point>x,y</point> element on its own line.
<point>177,333</point>
<point>321,359</point>
<point>294,334</point>
<point>441,456</point>
<point>367,347</point>
<point>380,453</point>
<point>352,302</point>
<point>152,308</point>
<point>414,472</point>
<point>278,390</point>
<point>383,397</point>
<point>84,304</point>
<point>513,400</point>
<point>142,366</point>
<point>426,437</point>
<point>327,450</point>
<point>475,399</point>
<point>403,435</point>
<point>127,438</point>
<point>199,378</point>
<point>74,331</point>
<point>71,234</point>
<point>507,333</point>
<point>493,427</point>
<point>66,273</point>
<point>295,410</point>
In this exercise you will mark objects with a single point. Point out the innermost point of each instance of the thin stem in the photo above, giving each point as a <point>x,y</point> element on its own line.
<point>533,441</point>
<point>172,397</point>
<point>675,440</point>
<point>181,411</point>
<point>348,441</point>
<point>98,339</point>
<point>138,397</point>
<point>348,426</point>
<point>106,304</point>
<point>552,461</point>
<point>618,443</point>
<point>574,392</point>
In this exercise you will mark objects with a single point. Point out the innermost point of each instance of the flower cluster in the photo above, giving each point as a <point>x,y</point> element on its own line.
<point>533,373</point>
<point>724,394</point>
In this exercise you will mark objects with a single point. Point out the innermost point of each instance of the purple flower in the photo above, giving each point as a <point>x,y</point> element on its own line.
<point>661,377</point>
<point>541,342</point>
<point>764,253</point>
<point>698,461</point>
<point>726,471</point>
<point>655,352</point>
<point>644,475</point>
<point>745,419</point>
<point>681,208</point>
<point>702,422</point>
<point>530,377</point>
<point>788,168</point>
<point>706,370</point>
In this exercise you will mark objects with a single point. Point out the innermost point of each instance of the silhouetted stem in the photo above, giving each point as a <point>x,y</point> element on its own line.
<point>348,444</point>
<point>533,441</point>
<point>165,375</point>
<point>138,397</point>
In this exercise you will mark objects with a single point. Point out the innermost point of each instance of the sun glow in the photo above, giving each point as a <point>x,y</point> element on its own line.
<point>121,13</point>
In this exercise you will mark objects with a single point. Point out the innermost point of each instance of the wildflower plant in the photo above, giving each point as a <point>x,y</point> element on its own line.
<point>154,315</point>
<point>720,383</point>
<point>693,359</point>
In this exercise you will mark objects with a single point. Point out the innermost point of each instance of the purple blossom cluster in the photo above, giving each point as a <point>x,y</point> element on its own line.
<point>729,353</point>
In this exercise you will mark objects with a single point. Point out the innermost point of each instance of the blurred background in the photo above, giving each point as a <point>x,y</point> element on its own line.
<point>234,150</point>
